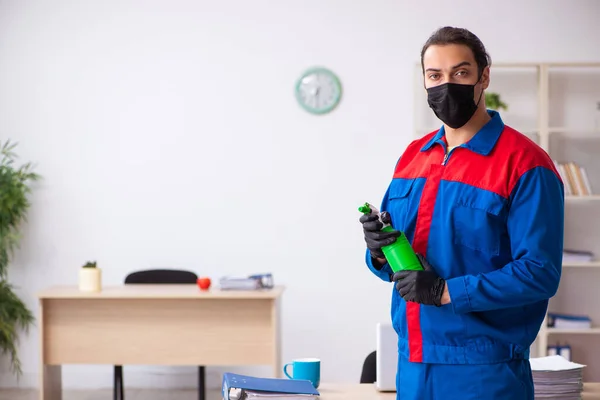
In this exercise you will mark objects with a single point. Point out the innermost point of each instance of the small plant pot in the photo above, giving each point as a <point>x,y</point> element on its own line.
<point>90,279</point>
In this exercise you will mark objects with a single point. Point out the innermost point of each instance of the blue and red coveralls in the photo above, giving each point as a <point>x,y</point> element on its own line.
<point>489,219</point>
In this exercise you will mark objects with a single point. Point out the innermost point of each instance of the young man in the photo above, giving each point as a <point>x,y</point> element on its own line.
<point>483,207</point>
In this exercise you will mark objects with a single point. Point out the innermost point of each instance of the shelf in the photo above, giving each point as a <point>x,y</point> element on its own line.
<point>571,132</point>
<point>537,65</point>
<point>591,197</point>
<point>589,264</point>
<point>574,132</point>
<point>515,65</point>
<point>425,131</point>
<point>587,331</point>
<point>526,132</point>
<point>573,65</point>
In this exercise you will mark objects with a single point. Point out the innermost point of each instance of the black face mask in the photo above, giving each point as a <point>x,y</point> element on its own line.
<point>453,103</point>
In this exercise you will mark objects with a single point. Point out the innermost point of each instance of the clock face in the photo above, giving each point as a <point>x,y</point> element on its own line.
<point>318,91</point>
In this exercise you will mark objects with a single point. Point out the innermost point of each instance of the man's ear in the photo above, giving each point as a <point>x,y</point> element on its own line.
<point>485,78</point>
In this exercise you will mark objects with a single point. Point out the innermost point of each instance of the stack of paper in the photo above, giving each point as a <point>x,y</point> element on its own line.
<point>554,377</point>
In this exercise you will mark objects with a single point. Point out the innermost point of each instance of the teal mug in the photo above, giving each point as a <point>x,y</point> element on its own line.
<point>306,369</point>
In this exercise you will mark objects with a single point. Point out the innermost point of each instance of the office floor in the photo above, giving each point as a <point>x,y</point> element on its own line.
<point>131,394</point>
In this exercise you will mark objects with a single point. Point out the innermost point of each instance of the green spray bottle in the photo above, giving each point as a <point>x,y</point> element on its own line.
<point>400,254</point>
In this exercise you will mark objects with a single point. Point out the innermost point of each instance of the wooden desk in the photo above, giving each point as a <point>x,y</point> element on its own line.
<point>591,391</point>
<point>156,325</point>
<point>357,391</point>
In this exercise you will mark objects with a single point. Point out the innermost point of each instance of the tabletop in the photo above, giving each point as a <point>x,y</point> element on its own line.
<point>349,391</point>
<point>591,391</point>
<point>161,291</point>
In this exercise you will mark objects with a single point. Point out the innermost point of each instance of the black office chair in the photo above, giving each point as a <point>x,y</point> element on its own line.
<point>369,370</point>
<point>159,276</point>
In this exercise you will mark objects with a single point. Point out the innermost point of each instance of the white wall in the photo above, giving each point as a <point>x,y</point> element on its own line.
<point>168,136</point>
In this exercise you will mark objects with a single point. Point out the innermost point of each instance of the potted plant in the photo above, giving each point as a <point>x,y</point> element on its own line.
<point>14,203</point>
<point>90,277</point>
<point>494,102</point>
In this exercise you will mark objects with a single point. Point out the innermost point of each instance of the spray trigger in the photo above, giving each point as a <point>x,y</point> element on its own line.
<point>386,218</point>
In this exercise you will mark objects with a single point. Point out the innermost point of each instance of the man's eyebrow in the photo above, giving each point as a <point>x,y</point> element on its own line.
<point>461,64</point>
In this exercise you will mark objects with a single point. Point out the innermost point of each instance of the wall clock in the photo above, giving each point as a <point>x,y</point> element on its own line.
<point>318,90</point>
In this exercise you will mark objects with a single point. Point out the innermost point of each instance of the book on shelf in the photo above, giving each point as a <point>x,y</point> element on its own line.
<point>244,387</point>
<point>555,377</point>
<point>575,178</point>
<point>560,350</point>
<point>568,321</point>
<point>577,256</point>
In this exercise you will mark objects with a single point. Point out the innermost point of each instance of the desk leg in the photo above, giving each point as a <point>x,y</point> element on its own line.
<point>51,382</point>
<point>275,323</point>
<point>277,369</point>
<point>50,375</point>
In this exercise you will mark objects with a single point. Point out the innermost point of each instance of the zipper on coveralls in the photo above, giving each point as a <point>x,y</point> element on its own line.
<point>447,155</point>
<point>445,158</point>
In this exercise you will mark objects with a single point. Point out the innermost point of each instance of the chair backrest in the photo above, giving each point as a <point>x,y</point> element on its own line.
<point>161,276</point>
<point>369,369</point>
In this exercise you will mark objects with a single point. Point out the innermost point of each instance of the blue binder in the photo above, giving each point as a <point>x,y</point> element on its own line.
<point>270,385</point>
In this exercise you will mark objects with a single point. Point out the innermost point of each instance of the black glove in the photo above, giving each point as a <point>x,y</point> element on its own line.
<point>424,287</point>
<point>374,237</point>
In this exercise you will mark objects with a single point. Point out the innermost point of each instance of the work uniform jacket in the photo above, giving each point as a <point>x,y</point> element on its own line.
<point>488,217</point>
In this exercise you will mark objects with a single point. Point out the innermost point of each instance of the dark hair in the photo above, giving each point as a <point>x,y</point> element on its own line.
<point>452,35</point>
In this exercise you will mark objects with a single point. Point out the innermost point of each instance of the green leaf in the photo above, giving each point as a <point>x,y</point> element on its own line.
<point>14,204</point>
<point>14,316</point>
<point>494,102</point>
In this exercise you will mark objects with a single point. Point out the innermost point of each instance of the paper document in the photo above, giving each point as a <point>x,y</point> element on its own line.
<point>553,363</point>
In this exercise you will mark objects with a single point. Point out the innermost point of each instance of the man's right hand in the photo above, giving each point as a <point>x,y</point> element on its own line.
<point>375,237</point>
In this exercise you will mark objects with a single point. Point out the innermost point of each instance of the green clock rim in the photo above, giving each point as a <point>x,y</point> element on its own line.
<point>337,98</point>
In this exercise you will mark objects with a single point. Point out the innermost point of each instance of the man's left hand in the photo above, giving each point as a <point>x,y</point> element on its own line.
<point>425,287</point>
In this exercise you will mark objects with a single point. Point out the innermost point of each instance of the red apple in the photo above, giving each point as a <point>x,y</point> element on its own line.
<point>204,283</point>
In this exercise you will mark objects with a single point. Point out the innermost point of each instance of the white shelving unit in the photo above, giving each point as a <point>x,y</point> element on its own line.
<point>558,106</point>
